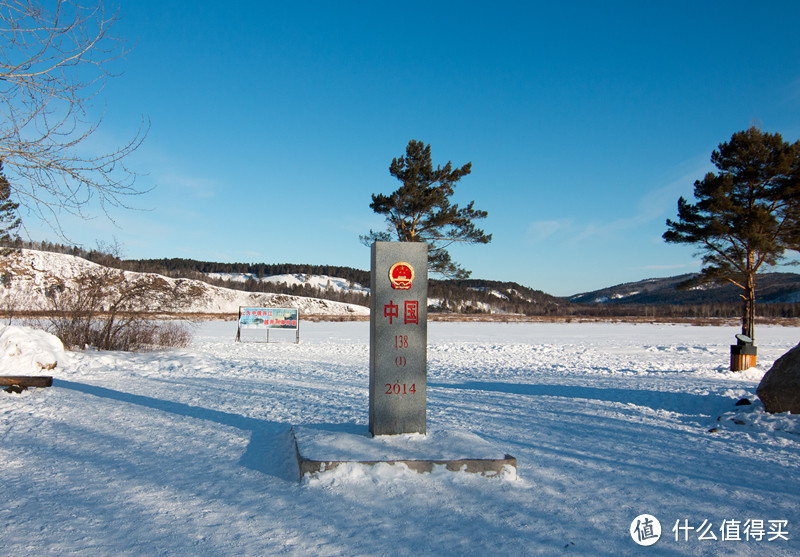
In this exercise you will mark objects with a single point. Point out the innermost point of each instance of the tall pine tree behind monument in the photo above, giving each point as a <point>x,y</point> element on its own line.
<point>420,209</point>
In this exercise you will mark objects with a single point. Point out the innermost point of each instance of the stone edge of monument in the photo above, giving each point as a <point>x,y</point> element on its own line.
<point>482,466</point>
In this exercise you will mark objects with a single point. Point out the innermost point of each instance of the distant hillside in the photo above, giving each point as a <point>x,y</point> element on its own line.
<point>778,293</point>
<point>772,288</point>
<point>28,279</point>
<point>345,284</point>
<point>489,296</point>
<point>328,282</point>
<point>185,267</point>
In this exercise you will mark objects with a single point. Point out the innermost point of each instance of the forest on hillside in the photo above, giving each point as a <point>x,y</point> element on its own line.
<point>469,296</point>
<point>457,296</point>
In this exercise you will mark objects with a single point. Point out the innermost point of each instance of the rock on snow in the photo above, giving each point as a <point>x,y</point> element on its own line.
<point>779,390</point>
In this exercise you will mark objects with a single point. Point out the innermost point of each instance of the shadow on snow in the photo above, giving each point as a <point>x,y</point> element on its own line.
<point>657,400</point>
<point>270,442</point>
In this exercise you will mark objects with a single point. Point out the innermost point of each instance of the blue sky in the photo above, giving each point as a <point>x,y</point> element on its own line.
<point>273,122</point>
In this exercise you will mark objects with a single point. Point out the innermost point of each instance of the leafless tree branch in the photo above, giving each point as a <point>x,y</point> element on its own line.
<point>53,62</point>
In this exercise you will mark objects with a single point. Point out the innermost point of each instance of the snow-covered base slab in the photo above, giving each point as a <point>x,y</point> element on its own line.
<point>321,448</point>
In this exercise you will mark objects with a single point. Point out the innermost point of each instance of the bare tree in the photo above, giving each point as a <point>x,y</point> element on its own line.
<point>113,310</point>
<point>54,60</point>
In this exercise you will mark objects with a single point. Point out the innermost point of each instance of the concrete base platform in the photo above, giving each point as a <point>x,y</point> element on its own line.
<point>322,447</point>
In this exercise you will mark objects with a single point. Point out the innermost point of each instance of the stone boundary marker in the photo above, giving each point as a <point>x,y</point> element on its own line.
<point>398,385</point>
<point>398,338</point>
<point>320,450</point>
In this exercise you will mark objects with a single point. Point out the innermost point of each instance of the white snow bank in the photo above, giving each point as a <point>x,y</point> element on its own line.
<point>350,474</point>
<point>354,443</point>
<point>753,418</point>
<point>25,351</point>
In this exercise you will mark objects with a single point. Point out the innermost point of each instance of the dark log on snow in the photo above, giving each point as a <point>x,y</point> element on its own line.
<point>26,381</point>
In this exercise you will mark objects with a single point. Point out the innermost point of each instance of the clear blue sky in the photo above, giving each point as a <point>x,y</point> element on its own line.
<point>273,122</point>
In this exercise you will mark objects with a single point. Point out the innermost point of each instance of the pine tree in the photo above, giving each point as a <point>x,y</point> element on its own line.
<point>9,221</point>
<point>420,209</point>
<point>747,215</point>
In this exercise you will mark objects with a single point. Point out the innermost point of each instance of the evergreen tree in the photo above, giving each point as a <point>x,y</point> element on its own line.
<point>420,209</point>
<point>9,222</point>
<point>747,215</point>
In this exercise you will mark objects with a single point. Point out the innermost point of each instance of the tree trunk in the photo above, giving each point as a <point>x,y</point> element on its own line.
<point>749,316</point>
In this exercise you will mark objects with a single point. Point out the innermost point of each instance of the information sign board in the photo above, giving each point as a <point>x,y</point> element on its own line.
<point>268,318</point>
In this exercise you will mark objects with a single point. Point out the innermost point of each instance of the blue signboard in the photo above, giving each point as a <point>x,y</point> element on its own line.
<point>268,318</point>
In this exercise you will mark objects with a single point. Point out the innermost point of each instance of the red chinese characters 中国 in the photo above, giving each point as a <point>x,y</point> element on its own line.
<point>410,312</point>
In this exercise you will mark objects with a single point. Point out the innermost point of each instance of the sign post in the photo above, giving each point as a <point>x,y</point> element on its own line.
<point>398,363</point>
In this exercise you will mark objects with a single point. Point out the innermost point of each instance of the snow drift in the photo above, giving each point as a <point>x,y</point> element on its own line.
<point>26,351</point>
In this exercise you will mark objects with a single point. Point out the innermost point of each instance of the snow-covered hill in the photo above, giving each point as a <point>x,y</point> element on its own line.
<point>321,282</point>
<point>772,288</point>
<point>27,275</point>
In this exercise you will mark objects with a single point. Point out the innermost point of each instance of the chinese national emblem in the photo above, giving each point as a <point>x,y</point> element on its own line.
<point>401,275</point>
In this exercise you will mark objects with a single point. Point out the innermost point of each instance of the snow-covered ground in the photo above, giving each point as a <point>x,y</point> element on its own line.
<point>188,452</point>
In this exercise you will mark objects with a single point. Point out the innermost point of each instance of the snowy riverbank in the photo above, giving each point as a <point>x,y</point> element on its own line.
<point>187,452</point>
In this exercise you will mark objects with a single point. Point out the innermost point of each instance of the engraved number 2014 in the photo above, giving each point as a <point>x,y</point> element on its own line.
<point>400,389</point>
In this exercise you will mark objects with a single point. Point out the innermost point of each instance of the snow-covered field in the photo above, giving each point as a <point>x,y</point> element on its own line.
<point>188,452</point>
